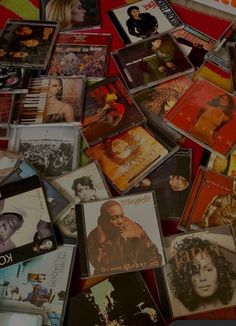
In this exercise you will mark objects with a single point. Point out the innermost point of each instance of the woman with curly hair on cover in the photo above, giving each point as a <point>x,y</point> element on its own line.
<point>201,276</point>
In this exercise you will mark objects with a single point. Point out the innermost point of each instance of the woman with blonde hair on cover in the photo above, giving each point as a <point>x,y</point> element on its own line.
<point>56,109</point>
<point>65,12</point>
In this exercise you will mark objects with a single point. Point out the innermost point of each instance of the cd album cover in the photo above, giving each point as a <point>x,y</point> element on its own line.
<point>8,318</point>
<point>194,44</point>
<point>82,185</point>
<point>126,157</point>
<point>156,101</point>
<point>226,166</point>
<point>200,271</point>
<point>77,54</point>
<point>52,150</point>
<point>13,80</point>
<point>207,114</point>
<point>211,201</point>
<point>171,183</point>
<point>6,110</point>
<point>8,163</point>
<point>26,228</point>
<point>39,286</point>
<point>143,19</point>
<point>109,110</point>
<point>72,14</point>
<point>151,61</point>
<point>51,100</point>
<point>27,44</point>
<point>111,303</point>
<point>56,202</point>
<point>117,235</point>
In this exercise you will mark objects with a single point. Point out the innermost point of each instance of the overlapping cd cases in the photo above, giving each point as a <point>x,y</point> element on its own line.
<point>151,61</point>
<point>27,44</point>
<point>143,19</point>
<point>26,228</point>
<point>117,236</point>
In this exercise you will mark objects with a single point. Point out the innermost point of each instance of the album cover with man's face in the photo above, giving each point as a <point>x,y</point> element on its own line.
<point>27,44</point>
<point>116,235</point>
<point>195,278</point>
<point>142,19</point>
<point>151,61</point>
<point>39,286</point>
<point>25,226</point>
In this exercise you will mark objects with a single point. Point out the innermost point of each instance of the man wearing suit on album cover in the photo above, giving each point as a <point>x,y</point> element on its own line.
<point>118,243</point>
<point>141,24</point>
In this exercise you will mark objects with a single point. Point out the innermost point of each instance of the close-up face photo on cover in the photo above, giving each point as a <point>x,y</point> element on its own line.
<point>117,162</point>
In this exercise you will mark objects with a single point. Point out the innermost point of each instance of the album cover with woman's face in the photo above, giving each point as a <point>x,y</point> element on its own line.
<point>72,14</point>
<point>110,302</point>
<point>207,114</point>
<point>211,201</point>
<point>82,185</point>
<point>117,235</point>
<point>152,61</point>
<point>77,54</point>
<point>125,158</point>
<point>143,19</point>
<point>156,101</point>
<point>27,44</point>
<point>51,100</point>
<point>25,226</point>
<point>109,110</point>
<point>39,286</point>
<point>200,271</point>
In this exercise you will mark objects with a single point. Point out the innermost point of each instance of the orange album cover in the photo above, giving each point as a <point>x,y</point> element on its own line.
<point>126,158</point>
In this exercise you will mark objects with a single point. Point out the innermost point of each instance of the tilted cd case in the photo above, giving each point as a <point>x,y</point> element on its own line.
<point>116,235</point>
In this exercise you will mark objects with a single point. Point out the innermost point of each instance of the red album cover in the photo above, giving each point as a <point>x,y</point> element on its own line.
<point>211,201</point>
<point>207,114</point>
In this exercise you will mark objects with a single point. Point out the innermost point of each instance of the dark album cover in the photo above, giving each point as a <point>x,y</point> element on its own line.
<point>51,100</point>
<point>171,182</point>
<point>39,286</point>
<point>25,227</point>
<point>156,101</point>
<point>206,113</point>
<point>109,110</point>
<point>194,44</point>
<point>112,303</point>
<point>77,54</point>
<point>13,80</point>
<point>56,202</point>
<point>231,52</point>
<point>200,271</point>
<point>52,150</point>
<point>82,185</point>
<point>117,235</point>
<point>126,157</point>
<point>143,19</point>
<point>211,201</point>
<point>27,44</point>
<point>6,111</point>
<point>74,14</point>
<point>151,61</point>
